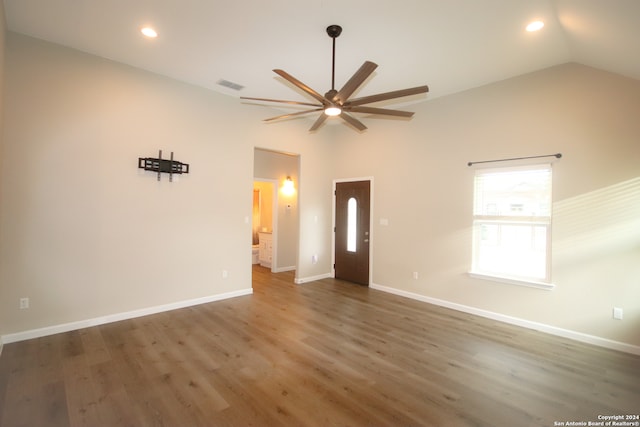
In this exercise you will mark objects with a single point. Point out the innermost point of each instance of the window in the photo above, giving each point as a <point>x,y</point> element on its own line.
<point>352,224</point>
<point>512,224</point>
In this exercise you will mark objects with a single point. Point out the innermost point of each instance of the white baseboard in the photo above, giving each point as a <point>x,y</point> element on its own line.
<point>302,280</point>
<point>553,330</point>
<point>72,326</point>
<point>283,269</point>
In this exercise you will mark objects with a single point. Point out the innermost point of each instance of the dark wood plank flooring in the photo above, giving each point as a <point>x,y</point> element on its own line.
<point>326,353</point>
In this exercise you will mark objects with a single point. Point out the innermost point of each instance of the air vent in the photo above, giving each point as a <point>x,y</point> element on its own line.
<point>230,85</point>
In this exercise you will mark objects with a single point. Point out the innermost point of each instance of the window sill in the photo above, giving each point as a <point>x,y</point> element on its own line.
<point>512,281</point>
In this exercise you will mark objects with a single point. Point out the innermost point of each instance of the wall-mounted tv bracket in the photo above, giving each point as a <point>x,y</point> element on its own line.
<point>161,165</point>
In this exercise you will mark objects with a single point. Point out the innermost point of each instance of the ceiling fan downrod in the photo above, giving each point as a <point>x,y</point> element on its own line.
<point>333,31</point>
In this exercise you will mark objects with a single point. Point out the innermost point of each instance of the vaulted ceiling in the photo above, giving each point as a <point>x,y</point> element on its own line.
<point>451,45</point>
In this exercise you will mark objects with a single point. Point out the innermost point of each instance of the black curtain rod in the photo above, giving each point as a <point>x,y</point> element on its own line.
<point>557,155</point>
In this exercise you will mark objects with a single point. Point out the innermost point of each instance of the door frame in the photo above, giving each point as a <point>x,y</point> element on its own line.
<point>371,233</point>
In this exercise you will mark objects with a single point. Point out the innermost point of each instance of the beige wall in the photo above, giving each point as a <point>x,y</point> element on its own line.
<point>85,234</point>
<point>2,43</point>
<point>2,37</point>
<point>423,186</point>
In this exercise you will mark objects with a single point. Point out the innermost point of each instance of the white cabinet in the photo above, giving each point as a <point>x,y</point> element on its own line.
<point>266,249</point>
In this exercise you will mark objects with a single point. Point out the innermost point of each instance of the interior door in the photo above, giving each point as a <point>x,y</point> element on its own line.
<point>352,231</point>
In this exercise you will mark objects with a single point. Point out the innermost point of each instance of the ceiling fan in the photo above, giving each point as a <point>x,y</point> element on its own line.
<point>337,103</point>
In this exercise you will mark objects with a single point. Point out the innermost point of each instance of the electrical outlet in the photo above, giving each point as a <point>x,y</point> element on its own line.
<point>225,274</point>
<point>314,259</point>
<point>415,275</point>
<point>24,303</point>
<point>617,313</point>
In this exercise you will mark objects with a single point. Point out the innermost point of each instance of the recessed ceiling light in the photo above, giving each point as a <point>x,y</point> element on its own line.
<point>535,26</point>
<point>149,32</point>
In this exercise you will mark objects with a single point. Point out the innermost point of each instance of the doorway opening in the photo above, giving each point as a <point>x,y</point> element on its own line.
<point>264,222</point>
<point>275,228</point>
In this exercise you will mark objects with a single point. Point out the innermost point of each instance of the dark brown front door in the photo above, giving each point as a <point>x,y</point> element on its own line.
<point>352,231</point>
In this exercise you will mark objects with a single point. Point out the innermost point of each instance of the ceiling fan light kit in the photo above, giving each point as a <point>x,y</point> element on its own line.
<point>332,111</point>
<point>338,103</point>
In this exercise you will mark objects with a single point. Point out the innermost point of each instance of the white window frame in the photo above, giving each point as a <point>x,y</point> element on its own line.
<point>502,219</point>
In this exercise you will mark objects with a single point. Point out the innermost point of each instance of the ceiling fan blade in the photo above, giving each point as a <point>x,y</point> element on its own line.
<point>380,111</point>
<point>355,81</point>
<point>284,116</point>
<point>282,101</point>
<point>353,121</point>
<point>301,85</point>
<point>319,122</point>
<point>387,95</point>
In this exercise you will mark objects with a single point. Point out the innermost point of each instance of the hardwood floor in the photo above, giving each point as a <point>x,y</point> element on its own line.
<point>325,353</point>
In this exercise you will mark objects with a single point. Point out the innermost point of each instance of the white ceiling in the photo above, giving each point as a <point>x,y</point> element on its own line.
<point>451,45</point>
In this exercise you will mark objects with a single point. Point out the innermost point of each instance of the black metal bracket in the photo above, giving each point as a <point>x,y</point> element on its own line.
<point>161,165</point>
